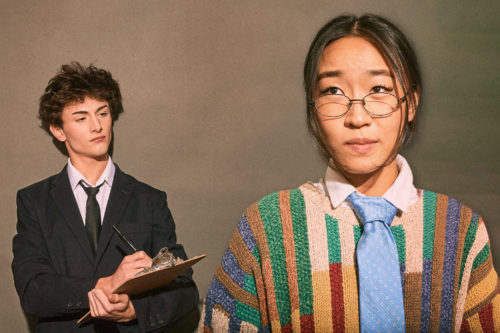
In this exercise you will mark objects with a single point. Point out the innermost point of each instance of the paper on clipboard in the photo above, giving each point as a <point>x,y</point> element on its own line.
<point>150,281</point>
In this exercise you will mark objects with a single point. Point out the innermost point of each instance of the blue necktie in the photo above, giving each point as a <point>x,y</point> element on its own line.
<point>381,307</point>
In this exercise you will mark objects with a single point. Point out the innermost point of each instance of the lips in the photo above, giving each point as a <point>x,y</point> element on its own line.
<point>361,145</point>
<point>98,139</point>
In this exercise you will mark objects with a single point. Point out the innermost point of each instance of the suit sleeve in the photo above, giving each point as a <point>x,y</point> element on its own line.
<point>43,293</point>
<point>164,307</point>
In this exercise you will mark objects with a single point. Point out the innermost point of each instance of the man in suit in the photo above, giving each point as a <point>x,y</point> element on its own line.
<point>67,257</point>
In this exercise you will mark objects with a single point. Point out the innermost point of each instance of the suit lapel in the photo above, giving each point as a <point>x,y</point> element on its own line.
<point>65,200</point>
<point>121,192</point>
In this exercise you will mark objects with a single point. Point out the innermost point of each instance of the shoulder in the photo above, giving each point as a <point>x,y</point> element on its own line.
<point>40,188</point>
<point>445,204</point>
<point>123,179</point>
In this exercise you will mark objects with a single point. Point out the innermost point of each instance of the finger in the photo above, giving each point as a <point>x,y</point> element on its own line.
<point>103,305</point>
<point>92,304</point>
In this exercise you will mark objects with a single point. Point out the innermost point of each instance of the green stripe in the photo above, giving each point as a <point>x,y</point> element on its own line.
<point>481,256</point>
<point>300,237</point>
<point>271,220</point>
<point>256,254</point>
<point>470,237</point>
<point>249,284</point>
<point>430,199</point>
<point>399,236</point>
<point>332,231</point>
<point>247,313</point>
<point>357,230</point>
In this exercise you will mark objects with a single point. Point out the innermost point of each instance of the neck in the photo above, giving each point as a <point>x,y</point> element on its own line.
<point>90,168</point>
<point>376,183</point>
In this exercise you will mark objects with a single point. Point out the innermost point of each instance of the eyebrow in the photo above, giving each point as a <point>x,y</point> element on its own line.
<point>373,72</point>
<point>85,112</point>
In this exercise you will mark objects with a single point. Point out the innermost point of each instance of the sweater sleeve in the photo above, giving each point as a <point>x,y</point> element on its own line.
<point>482,303</point>
<point>235,301</point>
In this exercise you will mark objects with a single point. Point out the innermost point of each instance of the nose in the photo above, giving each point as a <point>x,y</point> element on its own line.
<point>357,115</point>
<point>95,124</point>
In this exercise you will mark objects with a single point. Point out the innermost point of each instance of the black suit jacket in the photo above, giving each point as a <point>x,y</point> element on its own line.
<point>54,267</point>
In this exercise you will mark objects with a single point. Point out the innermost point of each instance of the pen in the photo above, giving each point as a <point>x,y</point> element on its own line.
<point>124,239</point>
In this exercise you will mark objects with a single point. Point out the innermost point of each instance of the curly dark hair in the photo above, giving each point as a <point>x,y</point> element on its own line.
<point>72,84</point>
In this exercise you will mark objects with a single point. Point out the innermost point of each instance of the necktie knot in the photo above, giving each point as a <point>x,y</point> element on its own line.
<point>370,209</point>
<point>91,191</point>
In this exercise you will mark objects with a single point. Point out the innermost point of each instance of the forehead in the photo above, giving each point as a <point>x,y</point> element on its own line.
<point>87,104</point>
<point>351,54</point>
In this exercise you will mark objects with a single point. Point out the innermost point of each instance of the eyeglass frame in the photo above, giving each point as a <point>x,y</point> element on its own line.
<point>363,103</point>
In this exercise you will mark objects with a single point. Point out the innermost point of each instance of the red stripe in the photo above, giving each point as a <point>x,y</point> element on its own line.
<point>338,316</point>
<point>307,323</point>
<point>287,328</point>
<point>486,318</point>
<point>465,327</point>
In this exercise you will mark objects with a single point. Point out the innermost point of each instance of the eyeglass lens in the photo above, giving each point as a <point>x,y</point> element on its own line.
<point>336,105</point>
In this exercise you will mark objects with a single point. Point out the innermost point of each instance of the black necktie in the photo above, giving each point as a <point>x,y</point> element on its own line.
<point>93,216</point>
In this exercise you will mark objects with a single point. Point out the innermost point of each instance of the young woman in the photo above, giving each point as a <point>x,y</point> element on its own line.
<point>362,249</point>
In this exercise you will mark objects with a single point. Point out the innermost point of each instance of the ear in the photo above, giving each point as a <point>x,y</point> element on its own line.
<point>413,110</point>
<point>58,132</point>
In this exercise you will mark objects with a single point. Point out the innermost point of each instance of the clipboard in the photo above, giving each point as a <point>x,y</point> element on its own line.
<point>150,281</point>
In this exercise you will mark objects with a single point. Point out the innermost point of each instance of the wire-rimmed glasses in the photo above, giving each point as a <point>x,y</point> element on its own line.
<point>378,104</point>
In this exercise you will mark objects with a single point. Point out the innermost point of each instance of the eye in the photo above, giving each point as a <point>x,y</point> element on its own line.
<point>381,89</point>
<point>79,120</point>
<point>332,91</point>
<point>103,113</point>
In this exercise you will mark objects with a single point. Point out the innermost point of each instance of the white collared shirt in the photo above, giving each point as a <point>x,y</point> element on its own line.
<point>102,196</point>
<point>402,193</point>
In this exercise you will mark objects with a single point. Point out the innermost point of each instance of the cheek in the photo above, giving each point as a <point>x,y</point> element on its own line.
<point>331,133</point>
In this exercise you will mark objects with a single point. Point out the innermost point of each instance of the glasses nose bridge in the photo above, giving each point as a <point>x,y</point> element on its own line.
<point>357,100</point>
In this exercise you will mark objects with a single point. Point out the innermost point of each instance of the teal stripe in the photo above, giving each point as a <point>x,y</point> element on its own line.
<point>357,230</point>
<point>249,283</point>
<point>247,313</point>
<point>271,220</point>
<point>332,230</point>
<point>470,237</point>
<point>301,240</point>
<point>481,257</point>
<point>430,199</point>
<point>399,236</point>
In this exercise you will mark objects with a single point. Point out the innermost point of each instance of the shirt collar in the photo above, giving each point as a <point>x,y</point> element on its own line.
<point>76,176</point>
<point>402,193</point>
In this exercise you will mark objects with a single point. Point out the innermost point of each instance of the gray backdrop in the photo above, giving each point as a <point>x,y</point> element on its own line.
<point>214,108</point>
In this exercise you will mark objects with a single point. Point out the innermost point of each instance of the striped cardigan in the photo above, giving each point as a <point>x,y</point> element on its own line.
<point>290,266</point>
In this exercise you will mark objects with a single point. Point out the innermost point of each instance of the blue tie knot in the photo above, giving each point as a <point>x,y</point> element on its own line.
<point>370,209</point>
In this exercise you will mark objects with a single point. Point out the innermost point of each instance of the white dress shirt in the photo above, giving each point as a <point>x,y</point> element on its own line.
<point>402,193</point>
<point>102,196</point>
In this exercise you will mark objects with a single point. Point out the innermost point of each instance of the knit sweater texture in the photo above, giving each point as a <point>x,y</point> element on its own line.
<point>291,267</point>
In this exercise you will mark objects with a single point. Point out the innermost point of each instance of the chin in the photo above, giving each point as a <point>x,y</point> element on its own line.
<point>361,168</point>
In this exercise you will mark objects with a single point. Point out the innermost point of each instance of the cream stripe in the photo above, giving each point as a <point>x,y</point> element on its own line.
<point>477,246</point>
<point>246,327</point>
<point>413,223</point>
<point>318,249</point>
<point>220,321</point>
